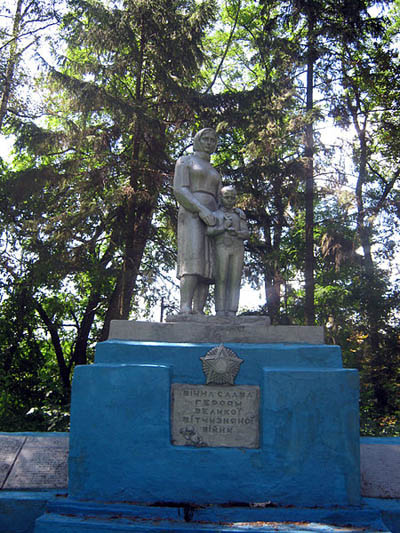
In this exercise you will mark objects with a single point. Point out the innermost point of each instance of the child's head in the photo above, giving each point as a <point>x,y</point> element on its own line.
<point>228,196</point>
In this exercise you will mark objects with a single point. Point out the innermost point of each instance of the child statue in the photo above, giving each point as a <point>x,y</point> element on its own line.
<point>228,234</point>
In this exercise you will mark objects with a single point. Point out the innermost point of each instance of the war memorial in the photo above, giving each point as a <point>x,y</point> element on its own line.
<point>212,423</point>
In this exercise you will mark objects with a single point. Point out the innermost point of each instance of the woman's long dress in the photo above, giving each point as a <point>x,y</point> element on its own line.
<point>196,184</point>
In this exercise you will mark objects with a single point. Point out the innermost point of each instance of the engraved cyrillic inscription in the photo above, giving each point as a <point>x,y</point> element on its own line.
<point>42,463</point>
<point>9,448</point>
<point>204,415</point>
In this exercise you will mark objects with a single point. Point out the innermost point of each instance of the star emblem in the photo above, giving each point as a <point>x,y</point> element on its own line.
<point>221,366</point>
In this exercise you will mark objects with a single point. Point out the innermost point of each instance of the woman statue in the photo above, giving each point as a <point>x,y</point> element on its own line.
<point>196,186</point>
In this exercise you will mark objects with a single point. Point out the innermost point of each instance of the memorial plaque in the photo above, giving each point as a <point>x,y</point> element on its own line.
<point>212,415</point>
<point>41,464</point>
<point>9,448</point>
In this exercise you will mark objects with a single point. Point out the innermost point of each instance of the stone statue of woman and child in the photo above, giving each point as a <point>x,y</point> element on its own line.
<point>211,232</point>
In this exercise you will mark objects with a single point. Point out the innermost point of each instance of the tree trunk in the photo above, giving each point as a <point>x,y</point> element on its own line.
<point>145,186</point>
<point>140,226</point>
<point>273,283</point>
<point>372,306</point>
<point>309,189</point>
<point>55,339</point>
<point>137,222</point>
<point>79,354</point>
<point>11,64</point>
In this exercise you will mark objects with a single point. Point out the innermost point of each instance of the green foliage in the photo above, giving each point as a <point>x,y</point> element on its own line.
<point>86,207</point>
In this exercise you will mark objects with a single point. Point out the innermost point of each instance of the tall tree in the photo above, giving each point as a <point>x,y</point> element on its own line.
<point>81,199</point>
<point>24,26</point>
<point>316,26</point>
<point>369,101</point>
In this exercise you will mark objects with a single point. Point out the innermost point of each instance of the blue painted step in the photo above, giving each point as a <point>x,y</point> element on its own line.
<point>69,515</point>
<point>65,524</point>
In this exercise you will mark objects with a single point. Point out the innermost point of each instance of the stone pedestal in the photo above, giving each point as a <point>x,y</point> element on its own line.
<point>201,329</point>
<point>132,447</point>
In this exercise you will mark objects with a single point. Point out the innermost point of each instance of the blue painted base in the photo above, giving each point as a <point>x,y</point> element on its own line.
<point>19,510</point>
<point>72,516</point>
<point>120,443</point>
<point>121,450</point>
<point>389,509</point>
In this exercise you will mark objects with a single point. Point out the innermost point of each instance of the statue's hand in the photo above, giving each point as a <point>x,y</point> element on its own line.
<point>207,217</point>
<point>228,224</point>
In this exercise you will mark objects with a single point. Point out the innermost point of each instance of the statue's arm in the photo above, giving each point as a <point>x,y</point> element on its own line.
<point>217,229</point>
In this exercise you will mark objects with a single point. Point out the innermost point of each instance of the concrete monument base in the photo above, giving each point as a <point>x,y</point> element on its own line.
<point>164,425</point>
<point>201,328</point>
<point>121,449</point>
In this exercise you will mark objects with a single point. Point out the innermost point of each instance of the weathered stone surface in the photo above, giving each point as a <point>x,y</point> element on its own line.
<point>10,447</point>
<point>215,330</point>
<point>380,468</point>
<point>260,321</point>
<point>41,464</point>
<point>204,415</point>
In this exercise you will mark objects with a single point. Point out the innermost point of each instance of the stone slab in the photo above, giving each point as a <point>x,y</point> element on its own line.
<point>256,320</point>
<point>10,447</point>
<point>41,464</point>
<point>380,468</point>
<point>216,331</point>
<point>222,416</point>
